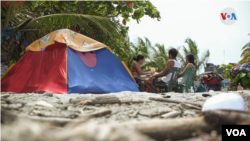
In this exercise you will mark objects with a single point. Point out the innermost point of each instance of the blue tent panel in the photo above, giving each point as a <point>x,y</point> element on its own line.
<point>109,75</point>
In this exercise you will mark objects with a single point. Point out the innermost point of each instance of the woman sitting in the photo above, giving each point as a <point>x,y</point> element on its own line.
<point>136,71</point>
<point>190,64</point>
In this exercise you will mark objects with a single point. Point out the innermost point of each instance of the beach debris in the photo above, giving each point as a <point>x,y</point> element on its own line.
<point>132,102</point>
<point>189,113</point>
<point>48,114</point>
<point>49,94</point>
<point>97,113</point>
<point>190,106</point>
<point>225,116</point>
<point>12,106</point>
<point>169,100</point>
<point>5,95</point>
<point>154,112</point>
<point>166,96</point>
<point>134,114</point>
<point>164,110</point>
<point>43,104</point>
<point>206,95</point>
<point>172,114</point>
<point>84,102</point>
<point>106,99</point>
<point>125,100</point>
<point>77,100</point>
<point>26,96</point>
<point>59,101</point>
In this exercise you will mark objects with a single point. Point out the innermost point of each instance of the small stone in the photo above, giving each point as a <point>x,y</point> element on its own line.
<point>5,96</point>
<point>98,105</point>
<point>191,113</point>
<point>166,96</point>
<point>49,94</point>
<point>163,94</point>
<point>59,102</point>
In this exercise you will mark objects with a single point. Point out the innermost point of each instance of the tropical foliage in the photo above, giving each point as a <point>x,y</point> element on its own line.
<point>96,19</point>
<point>245,53</point>
<point>227,70</point>
<point>200,61</point>
<point>243,78</point>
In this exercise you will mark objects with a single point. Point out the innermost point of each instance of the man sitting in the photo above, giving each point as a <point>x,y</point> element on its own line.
<point>172,62</point>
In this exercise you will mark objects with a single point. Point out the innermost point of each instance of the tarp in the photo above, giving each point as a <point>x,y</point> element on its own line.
<point>39,72</point>
<point>107,76</point>
<point>72,39</point>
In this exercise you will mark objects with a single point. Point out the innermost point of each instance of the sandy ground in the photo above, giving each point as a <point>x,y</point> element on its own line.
<point>120,112</point>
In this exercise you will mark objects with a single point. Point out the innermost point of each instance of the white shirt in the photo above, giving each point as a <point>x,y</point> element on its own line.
<point>167,78</point>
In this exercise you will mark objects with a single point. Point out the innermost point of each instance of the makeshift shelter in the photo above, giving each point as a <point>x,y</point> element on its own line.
<point>67,62</point>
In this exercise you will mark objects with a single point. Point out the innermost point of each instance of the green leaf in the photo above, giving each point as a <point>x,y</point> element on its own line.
<point>245,81</point>
<point>128,20</point>
<point>248,74</point>
<point>242,75</point>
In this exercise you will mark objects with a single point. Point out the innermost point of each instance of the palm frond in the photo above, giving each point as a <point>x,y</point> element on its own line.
<point>85,22</point>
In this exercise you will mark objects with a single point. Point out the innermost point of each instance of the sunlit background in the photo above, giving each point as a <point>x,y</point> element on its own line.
<point>199,20</point>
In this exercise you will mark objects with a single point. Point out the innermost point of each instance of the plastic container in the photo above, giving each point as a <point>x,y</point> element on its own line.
<point>225,101</point>
<point>239,88</point>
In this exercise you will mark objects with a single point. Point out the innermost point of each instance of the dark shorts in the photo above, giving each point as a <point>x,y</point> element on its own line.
<point>140,86</point>
<point>161,82</point>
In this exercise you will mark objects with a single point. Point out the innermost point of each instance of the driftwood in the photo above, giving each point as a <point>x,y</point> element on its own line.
<point>26,96</point>
<point>126,100</point>
<point>134,114</point>
<point>190,106</point>
<point>10,101</point>
<point>172,114</point>
<point>96,114</point>
<point>12,106</point>
<point>172,129</point>
<point>77,100</point>
<point>84,102</point>
<point>166,96</point>
<point>226,116</point>
<point>4,96</point>
<point>132,102</point>
<point>171,101</point>
<point>106,99</point>
<point>47,114</point>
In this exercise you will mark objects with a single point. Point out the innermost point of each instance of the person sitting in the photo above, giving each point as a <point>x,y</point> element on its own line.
<point>190,64</point>
<point>172,62</point>
<point>137,71</point>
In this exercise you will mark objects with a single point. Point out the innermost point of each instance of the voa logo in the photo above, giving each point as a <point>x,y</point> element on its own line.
<point>228,16</point>
<point>236,132</point>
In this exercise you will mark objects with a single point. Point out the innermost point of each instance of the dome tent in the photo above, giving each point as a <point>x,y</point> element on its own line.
<point>67,62</point>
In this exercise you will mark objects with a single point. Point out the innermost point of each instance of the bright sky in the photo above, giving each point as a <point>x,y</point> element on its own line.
<point>199,20</point>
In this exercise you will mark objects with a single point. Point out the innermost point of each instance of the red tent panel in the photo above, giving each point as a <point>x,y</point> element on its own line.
<point>39,71</point>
